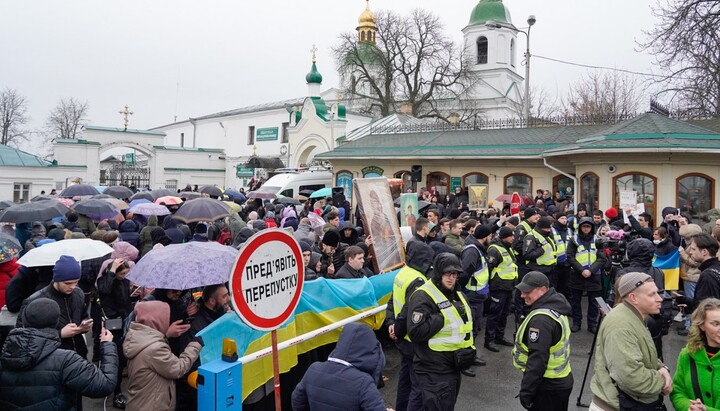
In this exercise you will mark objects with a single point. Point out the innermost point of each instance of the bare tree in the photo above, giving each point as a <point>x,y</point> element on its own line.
<point>66,119</point>
<point>685,44</point>
<point>412,63</point>
<point>13,114</point>
<point>601,97</point>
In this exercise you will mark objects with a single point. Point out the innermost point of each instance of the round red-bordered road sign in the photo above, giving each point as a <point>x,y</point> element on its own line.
<point>267,279</point>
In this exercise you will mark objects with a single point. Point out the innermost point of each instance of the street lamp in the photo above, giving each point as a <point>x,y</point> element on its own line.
<point>530,21</point>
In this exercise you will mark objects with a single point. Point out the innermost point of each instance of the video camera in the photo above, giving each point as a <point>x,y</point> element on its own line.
<point>616,242</point>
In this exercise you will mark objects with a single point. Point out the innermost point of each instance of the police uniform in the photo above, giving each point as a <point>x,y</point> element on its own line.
<point>503,277</point>
<point>583,254</point>
<point>521,231</point>
<point>407,280</point>
<point>542,350</point>
<point>562,235</point>
<point>440,327</point>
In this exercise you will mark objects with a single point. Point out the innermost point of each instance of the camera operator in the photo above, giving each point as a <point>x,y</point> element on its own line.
<point>640,252</point>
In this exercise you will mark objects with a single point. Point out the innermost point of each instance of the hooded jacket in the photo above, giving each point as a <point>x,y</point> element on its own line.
<point>176,235</point>
<point>305,232</point>
<point>36,374</point>
<point>146,243</point>
<point>353,239</point>
<point>129,232</point>
<point>348,380</point>
<point>576,281</point>
<point>419,258</point>
<point>472,252</point>
<point>152,367</point>
<point>8,269</point>
<point>549,333</point>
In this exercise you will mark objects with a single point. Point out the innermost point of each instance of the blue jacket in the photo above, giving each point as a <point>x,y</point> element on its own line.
<point>348,380</point>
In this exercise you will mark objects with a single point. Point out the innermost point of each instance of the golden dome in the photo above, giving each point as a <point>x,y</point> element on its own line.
<point>367,16</point>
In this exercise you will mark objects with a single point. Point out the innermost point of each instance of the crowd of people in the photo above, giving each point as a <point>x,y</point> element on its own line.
<point>466,271</point>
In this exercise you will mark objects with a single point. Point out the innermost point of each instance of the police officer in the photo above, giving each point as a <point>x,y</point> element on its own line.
<point>542,346</point>
<point>440,327</point>
<point>539,249</point>
<point>408,279</point>
<point>561,235</point>
<point>587,262</point>
<point>474,278</point>
<point>526,226</point>
<point>503,276</point>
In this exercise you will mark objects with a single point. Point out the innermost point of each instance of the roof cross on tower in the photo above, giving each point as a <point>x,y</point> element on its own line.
<point>314,50</point>
<point>125,114</point>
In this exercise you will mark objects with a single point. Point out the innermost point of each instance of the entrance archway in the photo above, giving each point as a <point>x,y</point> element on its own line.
<point>133,169</point>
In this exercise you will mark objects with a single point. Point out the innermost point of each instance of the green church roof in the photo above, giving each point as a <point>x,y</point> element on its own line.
<point>490,10</point>
<point>314,76</point>
<point>12,157</point>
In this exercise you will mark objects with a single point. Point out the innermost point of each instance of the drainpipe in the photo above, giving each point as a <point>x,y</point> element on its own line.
<point>573,178</point>
<point>192,121</point>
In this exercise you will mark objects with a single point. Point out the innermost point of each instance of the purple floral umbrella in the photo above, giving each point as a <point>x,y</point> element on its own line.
<point>184,266</point>
<point>149,209</point>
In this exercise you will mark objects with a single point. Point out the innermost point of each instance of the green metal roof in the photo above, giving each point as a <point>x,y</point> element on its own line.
<point>643,133</point>
<point>490,10</point>
<point>12,157</point>
<point>314,76</point>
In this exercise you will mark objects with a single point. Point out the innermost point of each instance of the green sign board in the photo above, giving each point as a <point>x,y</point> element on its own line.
<point>454,183</point>
<point>129,158</point>
<point>244,171</point>
<point>266,134</point>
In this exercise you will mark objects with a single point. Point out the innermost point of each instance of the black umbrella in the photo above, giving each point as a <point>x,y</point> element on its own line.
<point>202,209</point>
<point>6,204</point>
<point>188,195</point>
<point>101,196</point>
<point>288,200</point>
<point>211,191</point>
<point>37,211</point>
<point>42,197</point>
<point>118,192</point>
<point>306,193</point>
<point>79,190</point>
<point>264,195</point>
<point>143,194</point>
<point>94,207</point>
<point>162,192</point>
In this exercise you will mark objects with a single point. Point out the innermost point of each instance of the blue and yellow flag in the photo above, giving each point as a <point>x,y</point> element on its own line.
<point>670,265</point>
<point>322,302</point>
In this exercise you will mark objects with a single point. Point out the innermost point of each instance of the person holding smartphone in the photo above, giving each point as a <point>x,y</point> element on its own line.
<point>114,294</point>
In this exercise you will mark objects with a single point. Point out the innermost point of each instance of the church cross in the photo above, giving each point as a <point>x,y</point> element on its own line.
<point>313,50</point>
<point>125,114</point>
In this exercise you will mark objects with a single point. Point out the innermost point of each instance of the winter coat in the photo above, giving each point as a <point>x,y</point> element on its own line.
<point>72,309</point>
<point>348,380</point>
<point>236,224</point>
<point>471,256</point>
<point>152,368</point>
<point>170,225</point>
<point>305,232</point>
<point>625,355</point>
<point>532,249</point>
<point>494,258</point>
<point>549,332</point>
<point>114,294</point>
<point>8,270</point>
<point>353,239</point>
<point>36,374</point>
<point>576,280</point>
<point>665,247</point>
<point>129,232</point>
<point>242,236</point>
<point>348,272</point>
<point>708,378</point>
<point>146,243</point>
<point>419,258</point>
<point>455,242</point>
<point>86,224</point>
<point>709,283</point>
<point>24,284</point>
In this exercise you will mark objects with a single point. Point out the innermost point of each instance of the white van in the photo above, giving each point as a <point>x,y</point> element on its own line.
<point>292,183</point>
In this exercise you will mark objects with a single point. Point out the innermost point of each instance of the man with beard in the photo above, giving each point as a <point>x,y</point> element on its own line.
<point>212,305</point>
<point>587,262</point>
<point>440,327</point>
<point>327,249</point>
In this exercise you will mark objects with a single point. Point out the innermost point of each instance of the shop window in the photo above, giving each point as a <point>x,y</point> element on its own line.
<point>643,184</point>
<point>695,195</point>
<point>589,191</point>
<point>522,183</point>
<point>474,178</point>
<point>440,182</point>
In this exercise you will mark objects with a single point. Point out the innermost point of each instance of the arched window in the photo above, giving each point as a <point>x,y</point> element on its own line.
<point>482,50</point>
<point>695,195</point>
<point>373,37</point>
<point>362,36</point>
<point>512,52</point>
<point>439,181</point>
<point>643,184</point>
<point>589,191</point>
<point>522,183</point>
<point>406,178</point>
<point>474,178</point>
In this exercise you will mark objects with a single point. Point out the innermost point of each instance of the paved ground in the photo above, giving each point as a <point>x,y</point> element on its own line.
<point>496,384</point>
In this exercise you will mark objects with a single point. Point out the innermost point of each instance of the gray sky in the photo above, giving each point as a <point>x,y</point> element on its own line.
<point>232,53</point>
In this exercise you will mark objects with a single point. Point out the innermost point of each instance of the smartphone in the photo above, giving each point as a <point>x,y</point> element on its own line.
<point>113,324</point>
<point>188,320</point>
<point>603,305</point>
<point>86,322</point>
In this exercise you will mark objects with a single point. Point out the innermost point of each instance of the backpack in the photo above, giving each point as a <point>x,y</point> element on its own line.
<point>225,237</point>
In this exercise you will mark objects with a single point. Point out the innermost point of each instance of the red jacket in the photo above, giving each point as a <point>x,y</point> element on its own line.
<point>8,270</point>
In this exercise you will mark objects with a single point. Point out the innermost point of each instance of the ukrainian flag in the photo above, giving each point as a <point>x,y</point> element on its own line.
<point>670,265</point>
<point>322,302</point>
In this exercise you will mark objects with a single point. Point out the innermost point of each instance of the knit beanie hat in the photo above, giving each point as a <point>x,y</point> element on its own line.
<point>513,220</point>
<point>505,232</point>
<point>41,313</point>
<point>544,222</point>
<point>611,213</point>
<point>331,238</point>
<point>154,314</point>
<point>66,269</point>
<point>482,231</point>
<point>630,282</point>
<point>529,212</point>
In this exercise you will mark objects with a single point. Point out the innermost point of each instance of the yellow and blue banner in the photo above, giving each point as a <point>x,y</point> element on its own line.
<point>670,265</point>
<point>322,303</point>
